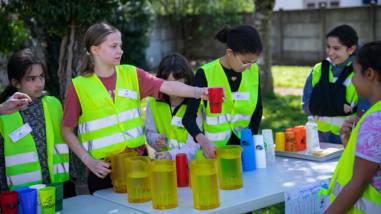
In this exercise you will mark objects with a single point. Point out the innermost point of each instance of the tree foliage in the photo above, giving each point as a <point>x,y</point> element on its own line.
<point>197,7</point>
<point>13,32</point>
<point>60,26</point>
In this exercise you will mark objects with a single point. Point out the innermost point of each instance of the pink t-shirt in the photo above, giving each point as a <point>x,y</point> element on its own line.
<point>368,145</point>
<point>149,85</point>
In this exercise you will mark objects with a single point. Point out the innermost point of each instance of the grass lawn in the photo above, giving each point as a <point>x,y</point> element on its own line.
<point>280,112</point>
<point>290,76</point>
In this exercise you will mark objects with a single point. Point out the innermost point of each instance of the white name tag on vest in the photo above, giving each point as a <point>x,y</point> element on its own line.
<point>127,93</point>
<point>240,95</point>
<point>20,132</point>
<point>177,121</point>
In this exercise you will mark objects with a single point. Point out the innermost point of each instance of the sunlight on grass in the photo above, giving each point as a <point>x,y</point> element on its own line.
<point>290,76</point>
<point>280,112</point>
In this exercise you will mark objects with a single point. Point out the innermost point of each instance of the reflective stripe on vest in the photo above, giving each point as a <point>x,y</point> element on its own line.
<point>24,179</point>
<point>108,126</point>
<point>236,113</point>
<point>370,201</point>
<point>21,157</point>
<point>219,119</point>
<point>109,121</point>
<point>112,139</point>
<point>219,136</point>
<point>163,119</point>
<point>333,124</point>
<point>18,159</point>
<point>336,121</point>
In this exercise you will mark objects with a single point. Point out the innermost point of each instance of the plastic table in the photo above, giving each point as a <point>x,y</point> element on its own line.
<point>89,204</point>
<point>262,187</point>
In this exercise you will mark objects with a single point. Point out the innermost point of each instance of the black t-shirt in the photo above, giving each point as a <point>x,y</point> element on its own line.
<point>234,78</point>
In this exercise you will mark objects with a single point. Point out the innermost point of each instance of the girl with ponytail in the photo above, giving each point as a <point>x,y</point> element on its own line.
<point>104,103</point>
<point>237,72</point>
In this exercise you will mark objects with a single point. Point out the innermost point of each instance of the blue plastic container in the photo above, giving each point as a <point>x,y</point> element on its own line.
<point>248,153</point>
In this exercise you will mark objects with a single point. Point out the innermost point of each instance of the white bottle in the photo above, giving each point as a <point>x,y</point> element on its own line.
<point>260,153</point>
<point>312,135</point>
<point>269,145</point>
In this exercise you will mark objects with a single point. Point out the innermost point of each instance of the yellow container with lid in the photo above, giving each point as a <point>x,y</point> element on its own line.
<point>138,179</point>
<point>163,184</point>
<point>204,184</point>
<point>229,165</point>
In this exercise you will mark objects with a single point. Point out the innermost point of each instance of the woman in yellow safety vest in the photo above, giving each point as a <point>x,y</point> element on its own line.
<point>329,94</point>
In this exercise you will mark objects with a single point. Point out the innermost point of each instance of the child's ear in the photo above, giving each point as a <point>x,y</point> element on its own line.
<point>94,50</point>
<point>371,74</point>
<point>15,83</point>
<point>229,51</point>
<point>352,49</point>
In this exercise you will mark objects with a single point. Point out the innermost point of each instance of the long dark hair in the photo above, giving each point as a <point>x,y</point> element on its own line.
<point>241,39</point>
<point>94,36</point>
<point>19,65</point>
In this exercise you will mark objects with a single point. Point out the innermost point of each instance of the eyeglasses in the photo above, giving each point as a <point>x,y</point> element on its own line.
<point>242,64</point>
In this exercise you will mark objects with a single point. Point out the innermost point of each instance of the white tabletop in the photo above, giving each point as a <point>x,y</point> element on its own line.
<point>262,187</point>
<point>89,204</point>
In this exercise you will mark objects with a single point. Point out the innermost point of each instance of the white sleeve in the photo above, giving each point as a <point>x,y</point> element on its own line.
<point>151,131</point>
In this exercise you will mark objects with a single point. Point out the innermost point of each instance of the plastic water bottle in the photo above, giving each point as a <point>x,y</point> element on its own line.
<point>312,136</point>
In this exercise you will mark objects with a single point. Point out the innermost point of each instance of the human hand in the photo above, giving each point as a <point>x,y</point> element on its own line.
<point>346,129</point>
<point>100,168</point>
<point>200,93</point>
<point>163,156</point>
<point>161,141</point>
<point>348,108</point>
<point>208,148</point>
<point>18,101</point>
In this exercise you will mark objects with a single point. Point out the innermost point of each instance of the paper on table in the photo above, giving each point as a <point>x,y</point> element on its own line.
<point>305,200</point>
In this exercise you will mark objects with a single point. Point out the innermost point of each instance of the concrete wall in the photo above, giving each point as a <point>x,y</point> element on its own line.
<point>162,41</point>
<point>299,36</point>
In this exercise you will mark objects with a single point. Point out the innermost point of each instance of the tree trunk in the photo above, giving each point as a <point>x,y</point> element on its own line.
<point>262,21</point>
<point>71,50</point>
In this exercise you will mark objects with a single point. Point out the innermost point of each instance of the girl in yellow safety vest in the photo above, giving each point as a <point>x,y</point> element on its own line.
<point>165,130</point>
<point>104,103</point>
<point>32,150</point>
<point>329,94</point>
<point>356,183</point>
<point>238,73</point>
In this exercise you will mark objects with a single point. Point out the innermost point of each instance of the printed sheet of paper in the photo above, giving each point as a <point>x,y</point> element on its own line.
<point>304,200</point>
